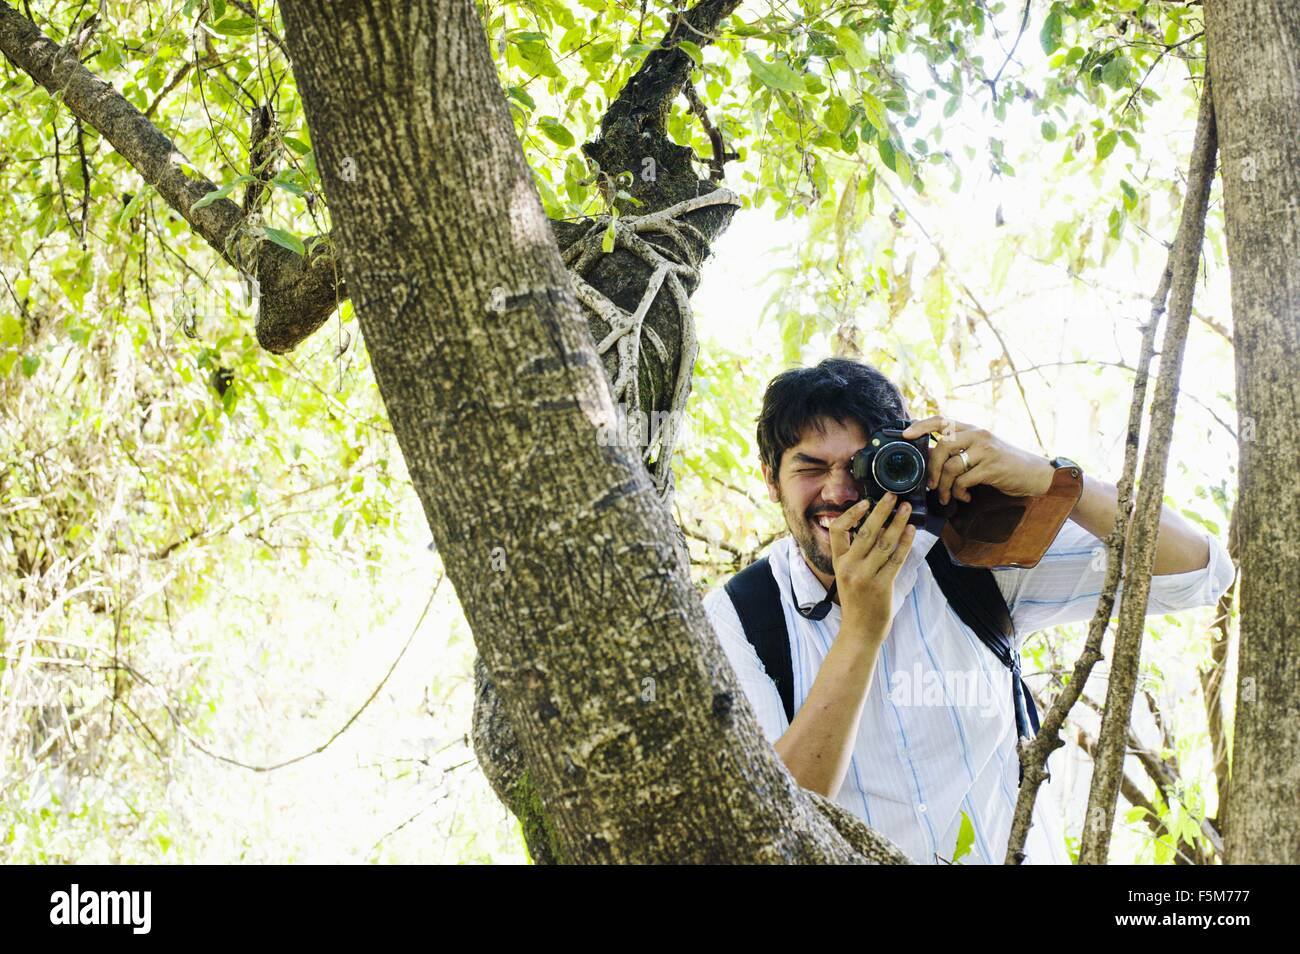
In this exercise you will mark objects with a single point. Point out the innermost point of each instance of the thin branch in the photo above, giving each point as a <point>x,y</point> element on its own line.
<point>720,155</point>
<point>1024,24</point>
<point>1034,755</point>
<point>1185,261</point>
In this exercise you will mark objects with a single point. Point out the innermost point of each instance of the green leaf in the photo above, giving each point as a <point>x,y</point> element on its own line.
<point>236,26</point>
<point>213,196</point>
<point>1050,35</point>
<point>30,363</point>
<point>1115,73</point>
<point>937,299</point>
<point>691,50</point>
<point>844,214</point>
<point>1048,129</point>
<point>285,239</point>
<point>284,181</point>
<point>876,114</point>
<point>965,838</point>
<point>836,116</point>
<point>1106,145</point>
<point>903,167</point>
<point>340,523</point>
<point>555,131</point>
<point>11,331</point>
<point>1115,222</point>
<point>886,150</point>
<point>297,145</point>
<point>131,208</point>
<point>774,75</point>
<point>520,95</point>
<point>851,45</point>
<point>599,52</point>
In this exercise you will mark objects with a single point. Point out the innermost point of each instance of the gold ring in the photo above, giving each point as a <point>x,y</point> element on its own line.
<point>965,458</point>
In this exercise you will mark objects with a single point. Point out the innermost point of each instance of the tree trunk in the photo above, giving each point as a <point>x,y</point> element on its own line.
<point>633,144</point>
<point>637,740</point>
<point>1254,55</point>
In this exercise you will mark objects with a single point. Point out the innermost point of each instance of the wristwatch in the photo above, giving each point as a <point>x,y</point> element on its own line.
<point>1068,479</point>
<point>1061,462</point>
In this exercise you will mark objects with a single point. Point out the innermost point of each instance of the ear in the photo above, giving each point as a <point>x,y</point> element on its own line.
<point>772,494</point>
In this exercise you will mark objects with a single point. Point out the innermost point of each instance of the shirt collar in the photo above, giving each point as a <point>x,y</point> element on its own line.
<point>808,590</point>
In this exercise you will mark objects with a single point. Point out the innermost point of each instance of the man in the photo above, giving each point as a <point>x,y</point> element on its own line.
<point>878,725</point>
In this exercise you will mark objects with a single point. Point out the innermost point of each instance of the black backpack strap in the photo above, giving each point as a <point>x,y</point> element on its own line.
<point>757,599</point>
<point>973,594</point>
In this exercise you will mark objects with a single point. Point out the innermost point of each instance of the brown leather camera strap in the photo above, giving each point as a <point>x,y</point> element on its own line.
<point>994,529</point>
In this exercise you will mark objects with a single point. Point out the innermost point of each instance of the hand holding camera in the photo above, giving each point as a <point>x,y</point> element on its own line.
<point>866,563</point>
<point>966,456</point>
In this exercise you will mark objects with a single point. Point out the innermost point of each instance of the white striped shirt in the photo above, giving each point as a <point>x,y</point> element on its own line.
<point>937,735</point>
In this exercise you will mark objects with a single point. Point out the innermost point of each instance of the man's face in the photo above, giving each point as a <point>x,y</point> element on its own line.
<point>814,486</point>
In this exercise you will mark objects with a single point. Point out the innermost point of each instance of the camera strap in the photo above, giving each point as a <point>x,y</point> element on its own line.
<point>972,592</point>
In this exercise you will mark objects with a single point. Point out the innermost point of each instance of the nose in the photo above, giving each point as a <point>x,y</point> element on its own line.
<point>839,490</point>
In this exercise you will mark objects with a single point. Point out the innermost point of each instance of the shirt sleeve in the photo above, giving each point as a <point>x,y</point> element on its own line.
<point>757,684</point>
<point>1065,585</point>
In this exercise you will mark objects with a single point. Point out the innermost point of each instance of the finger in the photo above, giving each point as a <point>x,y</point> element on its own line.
<point>865,535</point>
<point>868,536</point>
<point>953,468</point>
<point>945,450</point>
<point>879,511</point>
<point>978,474</point>
<point>926,426</point>
<point>840,526</point>
<point>889,571</point>
<point>888,539</point>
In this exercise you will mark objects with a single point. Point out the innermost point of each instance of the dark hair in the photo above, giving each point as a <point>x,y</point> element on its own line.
<point>837,388</point>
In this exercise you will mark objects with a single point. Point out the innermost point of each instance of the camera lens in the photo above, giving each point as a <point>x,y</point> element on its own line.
<point>898,467</point>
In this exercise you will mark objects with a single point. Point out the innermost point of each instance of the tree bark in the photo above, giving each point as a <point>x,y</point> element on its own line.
<point>1254,57</point>
<point>633,143</point>
<point>637,740</point>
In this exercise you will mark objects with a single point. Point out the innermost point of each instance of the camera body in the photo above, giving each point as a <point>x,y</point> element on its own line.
<point>890,464</point>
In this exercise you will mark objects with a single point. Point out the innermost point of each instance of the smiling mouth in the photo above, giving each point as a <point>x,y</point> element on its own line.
<point>821,524</point>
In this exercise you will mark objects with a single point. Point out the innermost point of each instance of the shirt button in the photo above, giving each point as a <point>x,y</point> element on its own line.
<point>921,807</point>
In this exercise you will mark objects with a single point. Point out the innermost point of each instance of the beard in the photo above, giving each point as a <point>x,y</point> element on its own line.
<point>807,534</point>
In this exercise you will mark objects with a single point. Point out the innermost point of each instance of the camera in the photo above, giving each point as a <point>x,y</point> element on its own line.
<point>890,464</point>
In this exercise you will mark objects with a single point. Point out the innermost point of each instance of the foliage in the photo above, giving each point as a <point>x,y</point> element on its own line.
<point>155,464</point>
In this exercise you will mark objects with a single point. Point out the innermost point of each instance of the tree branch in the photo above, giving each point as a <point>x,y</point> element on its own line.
<point>1141,543</point>
<point>1034,755</point>
<point>296,295</point>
